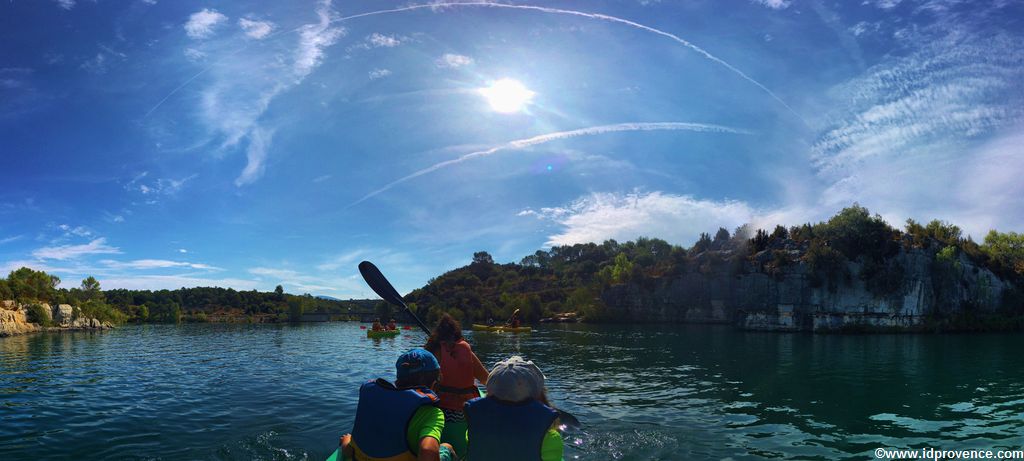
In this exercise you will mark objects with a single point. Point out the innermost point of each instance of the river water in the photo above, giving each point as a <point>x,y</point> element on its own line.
<point>667,392</point>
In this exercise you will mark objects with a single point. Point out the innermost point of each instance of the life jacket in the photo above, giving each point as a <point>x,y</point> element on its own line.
<point>456,386</point>
<point>382,419</point>
<point>500,431</point>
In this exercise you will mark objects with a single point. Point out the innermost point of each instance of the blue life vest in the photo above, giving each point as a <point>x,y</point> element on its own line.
<point>382,419</point>
<point>500,431</point>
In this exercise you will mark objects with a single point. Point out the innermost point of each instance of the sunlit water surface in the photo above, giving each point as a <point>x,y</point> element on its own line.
<point>680,392</point>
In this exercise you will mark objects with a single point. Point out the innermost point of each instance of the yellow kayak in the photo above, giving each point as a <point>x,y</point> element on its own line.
<point>382,333</point>
<point>501,328</point>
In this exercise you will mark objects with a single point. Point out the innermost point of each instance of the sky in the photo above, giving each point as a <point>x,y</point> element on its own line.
<point>162,144</point>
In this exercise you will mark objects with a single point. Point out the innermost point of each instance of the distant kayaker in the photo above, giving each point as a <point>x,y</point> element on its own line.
<point>460,368</point>
<point>392,325</point>
<point>514,422</point>
<point>377,326</point>
<point>400,421</point>
<point>514,320</point>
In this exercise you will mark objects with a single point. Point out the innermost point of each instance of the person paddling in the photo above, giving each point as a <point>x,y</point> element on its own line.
<point>514,422</point>
<point>392,325</point>
<point>400,421</point>
<point>514,320</point>
<point>459,368</point>
<point>377,326</point>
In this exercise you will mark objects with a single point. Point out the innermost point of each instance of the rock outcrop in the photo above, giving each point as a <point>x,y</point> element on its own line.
<point>757,296</point>
<point>14,322</point>
<point>14,319</point>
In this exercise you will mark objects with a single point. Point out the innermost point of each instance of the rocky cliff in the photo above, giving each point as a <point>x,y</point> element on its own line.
<point>14,319</point>
<point>756,294</point>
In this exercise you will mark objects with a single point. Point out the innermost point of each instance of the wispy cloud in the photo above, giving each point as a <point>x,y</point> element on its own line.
<point>13,238</point>
<point>549,137</point>
<point>453,61</point>
<point>378,40</point>
<point>145,264</point>
<point>256,155</point>
<point>159,186</point>
<point>773,4</point>
<point>678,219</point>
<point>953,89</point>
<point>194,55</point>
<point>66,4</point>
<point>201,24</point>
<point>63,252</point>
<point>256,29</point>
<point>379,73</point>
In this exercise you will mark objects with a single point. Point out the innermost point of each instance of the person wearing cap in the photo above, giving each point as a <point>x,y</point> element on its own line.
<point>460,369</point>
<point>400,421</point>
<point>514,422</point>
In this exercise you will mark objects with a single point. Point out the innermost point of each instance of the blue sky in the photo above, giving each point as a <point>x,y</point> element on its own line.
<point>159,144</point>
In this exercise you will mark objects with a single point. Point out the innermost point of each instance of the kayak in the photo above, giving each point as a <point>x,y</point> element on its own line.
<point>382,333</point>
<point>501,328</point>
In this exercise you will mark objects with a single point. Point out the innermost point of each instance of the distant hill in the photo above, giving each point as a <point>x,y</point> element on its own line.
<point>853,272</point>
<point>331,298</point>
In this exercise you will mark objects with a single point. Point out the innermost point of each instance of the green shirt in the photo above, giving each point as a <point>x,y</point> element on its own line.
<point>551,448</point>
<point>428,421</point>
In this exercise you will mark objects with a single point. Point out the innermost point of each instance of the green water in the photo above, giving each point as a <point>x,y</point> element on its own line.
<point>676,392</point>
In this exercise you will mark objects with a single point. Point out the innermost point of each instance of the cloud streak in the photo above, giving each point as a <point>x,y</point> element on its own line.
<point>596,16</point>
<point>559,135</point>
<point>64,252</point>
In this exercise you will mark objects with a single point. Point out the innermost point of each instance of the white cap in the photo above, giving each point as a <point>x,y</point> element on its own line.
<point>515,380</point>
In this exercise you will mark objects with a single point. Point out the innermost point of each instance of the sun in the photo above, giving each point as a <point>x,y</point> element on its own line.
<point>507,95</point>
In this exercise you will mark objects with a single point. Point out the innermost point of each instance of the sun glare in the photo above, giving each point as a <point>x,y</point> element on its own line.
<point>507,95</point>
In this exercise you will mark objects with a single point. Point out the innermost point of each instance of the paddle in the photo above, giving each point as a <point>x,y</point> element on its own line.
<point>383,288</point>
<point>509,321</point>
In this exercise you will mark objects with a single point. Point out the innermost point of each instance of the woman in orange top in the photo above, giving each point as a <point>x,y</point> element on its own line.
<point>459,368</point>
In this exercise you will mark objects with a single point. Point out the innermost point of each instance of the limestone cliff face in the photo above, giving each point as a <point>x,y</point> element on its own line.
<point>790,298</point>
<point>14,322</point>
<point>14,319</point>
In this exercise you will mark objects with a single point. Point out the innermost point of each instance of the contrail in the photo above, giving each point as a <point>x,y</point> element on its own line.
<point>598,16</point>
<point>542,9</point>
<point>545,138</point>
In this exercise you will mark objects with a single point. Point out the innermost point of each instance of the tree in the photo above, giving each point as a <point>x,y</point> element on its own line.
<point>482,257</point>
<point>721,238</point>
<point>1006,250</point>
<point>279,293</point>
<point>780,233</point>
<point>703,243</point>
<point>5,290</point>
<point>91,287</point>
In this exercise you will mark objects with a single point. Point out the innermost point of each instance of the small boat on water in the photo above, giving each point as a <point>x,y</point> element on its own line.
<point>382,333</point>
<point>501,328</point>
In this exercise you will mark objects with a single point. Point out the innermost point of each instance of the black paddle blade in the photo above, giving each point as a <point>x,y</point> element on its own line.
<point>379,284</point>
<point>568,420</point>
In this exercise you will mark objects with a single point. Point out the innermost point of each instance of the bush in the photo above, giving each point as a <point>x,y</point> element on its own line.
<point>99,310</point>
<point>38,314</point>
